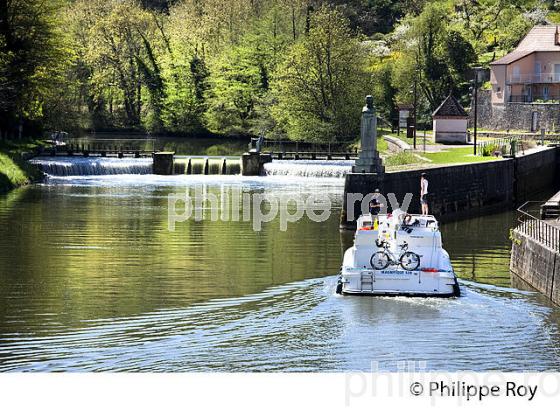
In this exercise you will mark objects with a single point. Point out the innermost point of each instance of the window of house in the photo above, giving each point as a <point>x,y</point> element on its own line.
<point>516,72</point>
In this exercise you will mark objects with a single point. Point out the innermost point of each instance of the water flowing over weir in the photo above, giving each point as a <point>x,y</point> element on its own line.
<point>79,166</point>
<point>90,166</point>
<point>311,168</point>
<point>206,166</point>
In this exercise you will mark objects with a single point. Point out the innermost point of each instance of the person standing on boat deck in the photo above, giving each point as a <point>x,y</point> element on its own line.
<point>375,204</point>
<point>424,193</point>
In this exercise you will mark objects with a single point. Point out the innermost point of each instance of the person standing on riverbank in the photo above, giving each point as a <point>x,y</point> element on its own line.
<point>424,193</point>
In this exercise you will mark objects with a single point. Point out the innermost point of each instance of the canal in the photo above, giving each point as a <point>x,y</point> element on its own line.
<point>92,279</point>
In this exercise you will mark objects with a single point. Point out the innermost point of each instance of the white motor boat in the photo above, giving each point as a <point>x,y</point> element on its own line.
<point>397,254</point>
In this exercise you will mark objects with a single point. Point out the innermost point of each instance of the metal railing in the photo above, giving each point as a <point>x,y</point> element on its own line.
<point>531,78</point>
<point>504,145</point>
<point>541,231</point>
<point>549,98</point>
<point>300,146</point>
<point>113,144</point>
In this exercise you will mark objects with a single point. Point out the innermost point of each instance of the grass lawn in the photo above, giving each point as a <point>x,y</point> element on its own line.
<point>382,145</point>
<point>409,160</point>
<point>456,156</point>
<point>15,172</point>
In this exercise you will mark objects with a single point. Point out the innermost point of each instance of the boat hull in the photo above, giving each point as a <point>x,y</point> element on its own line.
<point>397,283</point>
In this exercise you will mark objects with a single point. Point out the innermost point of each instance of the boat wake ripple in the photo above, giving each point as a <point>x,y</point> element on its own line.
<point>304,326</point>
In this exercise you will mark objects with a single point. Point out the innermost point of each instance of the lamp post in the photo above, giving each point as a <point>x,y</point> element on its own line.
<point>477,71</point>
<point>415,113</point>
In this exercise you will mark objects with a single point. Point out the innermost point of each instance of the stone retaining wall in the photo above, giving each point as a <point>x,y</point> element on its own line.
<point>536,265</point>
<point>459,191</point>
<point>514,116</point>
<point>536,172</point>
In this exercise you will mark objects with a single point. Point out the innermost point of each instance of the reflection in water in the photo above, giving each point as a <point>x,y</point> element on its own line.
<point>91,279</point>
<point>481,248</point>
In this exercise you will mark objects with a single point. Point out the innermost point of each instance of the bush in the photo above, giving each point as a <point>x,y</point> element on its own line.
<point>488,150</point>
<point>401,158</point>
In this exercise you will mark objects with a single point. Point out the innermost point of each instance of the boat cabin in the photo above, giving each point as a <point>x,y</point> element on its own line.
<point>420,232</point>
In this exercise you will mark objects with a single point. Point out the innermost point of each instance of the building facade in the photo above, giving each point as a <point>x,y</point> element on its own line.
<point>531,72</point>
<point>525,85</point>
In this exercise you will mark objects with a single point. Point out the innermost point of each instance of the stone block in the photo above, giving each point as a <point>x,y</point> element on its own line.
<point>252,163</point>
<point>163,163</point>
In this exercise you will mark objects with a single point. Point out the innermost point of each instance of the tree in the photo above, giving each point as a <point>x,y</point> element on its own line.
<point>31,55</point>
<point>239,96</point>
<point>493,27</point>
<point>433,55</point>
<point>113,41</point>
<point>322,82</point>
<point>375,16</point>
<point>238,80</point>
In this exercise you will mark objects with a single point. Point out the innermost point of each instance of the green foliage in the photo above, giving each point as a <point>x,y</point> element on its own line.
<point>112,40</point>
<point>384,90</point>
<point>494,26</point>
<point>433,55</point>
<point>489,149</point>
<point>401,158</point>
<point>32,55</point>
<point>15,172</point>
<point>320,85</point>
<point>151,74</point>
<point>239,98</point>
<point>239,79</point>
<point>295,68</point>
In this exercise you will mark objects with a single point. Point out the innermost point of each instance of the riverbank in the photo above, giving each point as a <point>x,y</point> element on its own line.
<point>15,171</point>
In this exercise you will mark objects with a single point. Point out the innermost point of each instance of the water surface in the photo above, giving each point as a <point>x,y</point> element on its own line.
<point>92,279</point>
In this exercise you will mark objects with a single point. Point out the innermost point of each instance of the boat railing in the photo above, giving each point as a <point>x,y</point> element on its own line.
<point>430,222</point>
<point>545,232</point>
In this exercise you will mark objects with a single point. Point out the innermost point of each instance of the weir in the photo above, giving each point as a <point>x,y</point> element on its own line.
<point>80,166</point>
<point>98,166</point>
<point>206,166</point>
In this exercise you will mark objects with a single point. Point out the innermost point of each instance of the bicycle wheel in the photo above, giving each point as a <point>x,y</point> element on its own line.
<point>379,260</point>
<point>410,261</point>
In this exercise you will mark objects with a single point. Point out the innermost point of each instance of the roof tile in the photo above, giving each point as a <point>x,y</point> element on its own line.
<point>540,38</point>
<point>450,107</point>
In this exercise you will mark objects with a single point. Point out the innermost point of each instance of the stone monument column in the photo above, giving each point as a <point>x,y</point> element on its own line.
<point>367,174</point>
<point>368,161</point>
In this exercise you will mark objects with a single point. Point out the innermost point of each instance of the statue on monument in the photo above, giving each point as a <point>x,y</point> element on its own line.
<point>368,161</point>
<point>369,104</point>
